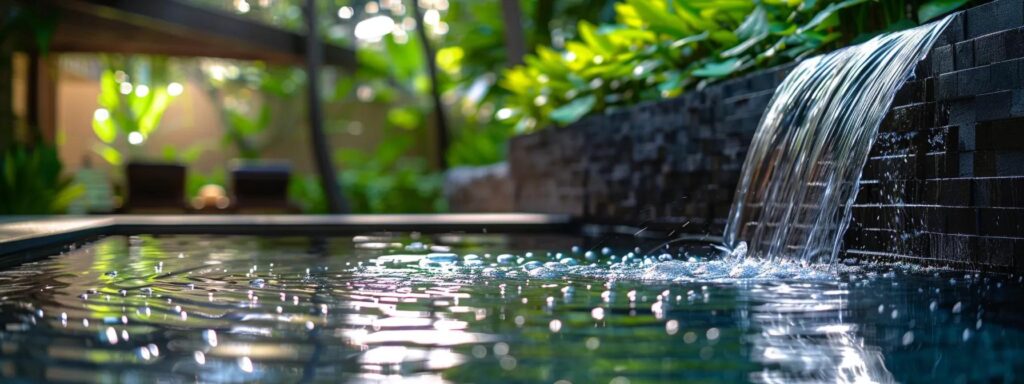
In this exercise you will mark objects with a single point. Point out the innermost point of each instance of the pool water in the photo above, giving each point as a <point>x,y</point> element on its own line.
<point>492,308</point>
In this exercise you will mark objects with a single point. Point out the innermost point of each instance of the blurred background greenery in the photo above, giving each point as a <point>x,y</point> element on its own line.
<point>560,60</point>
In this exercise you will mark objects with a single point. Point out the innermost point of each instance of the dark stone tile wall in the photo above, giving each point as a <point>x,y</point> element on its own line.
<point>669,163</point>
<point>945,179</point>
<point>479,189</point>
<point>944,182</point>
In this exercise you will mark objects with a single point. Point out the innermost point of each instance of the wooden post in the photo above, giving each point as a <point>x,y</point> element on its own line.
<point>515,44</point>
<point>42,98</point>
<point>435,88</point>
<point>314,57</point>
<point>7,123</point>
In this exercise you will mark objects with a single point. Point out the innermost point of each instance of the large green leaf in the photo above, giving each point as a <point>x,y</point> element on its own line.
<point>574,110</point>
<point>936,8</point>
<point>718,68</point>
<point>105,130</point>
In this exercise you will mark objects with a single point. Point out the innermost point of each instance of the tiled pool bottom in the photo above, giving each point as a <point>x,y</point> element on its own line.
<point>233,308</point>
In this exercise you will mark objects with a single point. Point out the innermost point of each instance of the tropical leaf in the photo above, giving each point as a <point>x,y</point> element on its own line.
<point>936,8</point>
<point>574,110</point>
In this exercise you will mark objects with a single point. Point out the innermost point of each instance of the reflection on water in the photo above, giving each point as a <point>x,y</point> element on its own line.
<point>492,308</point>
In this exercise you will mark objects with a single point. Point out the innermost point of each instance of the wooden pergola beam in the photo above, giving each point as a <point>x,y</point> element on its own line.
<point>175,28</point>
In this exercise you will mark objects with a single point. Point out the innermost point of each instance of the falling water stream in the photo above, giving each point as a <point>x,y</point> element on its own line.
<point>801,174</point>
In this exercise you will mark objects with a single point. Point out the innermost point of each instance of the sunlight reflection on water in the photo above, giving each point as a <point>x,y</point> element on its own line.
<point>291,309</point>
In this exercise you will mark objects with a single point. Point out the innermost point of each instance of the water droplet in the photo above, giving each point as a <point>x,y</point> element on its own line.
<point>211,337</point>
<point>671,327</point>
<point>111,335</point>
<point>908,338</point>
<point>245,364</point>
<point>713,334</point>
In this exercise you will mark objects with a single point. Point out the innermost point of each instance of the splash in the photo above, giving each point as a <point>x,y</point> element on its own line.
<point>801,174</point>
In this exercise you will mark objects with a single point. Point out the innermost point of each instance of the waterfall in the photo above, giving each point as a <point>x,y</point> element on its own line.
<point>801,175</point>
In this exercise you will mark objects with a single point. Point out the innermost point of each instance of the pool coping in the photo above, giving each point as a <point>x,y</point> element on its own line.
<point>22,233</point>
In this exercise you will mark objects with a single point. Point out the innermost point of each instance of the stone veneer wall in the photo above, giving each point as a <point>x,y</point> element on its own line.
<point>669,162</point>
<point>945,180</point>
<point>479,189</point>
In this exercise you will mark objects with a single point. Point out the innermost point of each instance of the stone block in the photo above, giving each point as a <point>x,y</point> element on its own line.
<point>947,86</point>
<point>963,55</point>
<point>993,17</point>
<point>953,33</point>
<point>993,106</point>
<point>974,81</point>
<point>1005,75</point>
<point>990,48</point>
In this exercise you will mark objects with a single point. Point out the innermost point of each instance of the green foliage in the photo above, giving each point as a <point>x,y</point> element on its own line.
<point>242,131</point>
<point>659,48</point>
<point>31,182</point>
<point>307,192</point>
<point>133,98</point>
<point>387,181</point>
<point>936,8</point>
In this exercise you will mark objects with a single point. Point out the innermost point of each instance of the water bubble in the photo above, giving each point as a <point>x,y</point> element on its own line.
<point>258,283</point>
<point>210,336</point>
<point>507,363</point>
<point>442,257</point>
<point>957,307</point>
<point>597,313</point>
<point>908,338</point>
<point>713,334</point>
<point>592,343</point>
<point>479,351</point>
<point>689,337</point>
<point>505,258</point>
<point>200,357</point>
<point>671,327</point>
<point>575,249</point>
<point>606,251</point>
<point>531,265</point>
<point>500,349</point>
<point>111,335</point>
<point>245,364</point>
<point>967,334</point>
<point>933,306</point>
